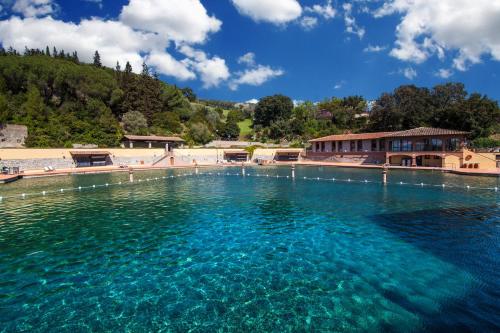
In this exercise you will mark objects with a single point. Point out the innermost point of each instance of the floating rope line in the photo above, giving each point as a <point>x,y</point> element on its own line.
<point>243,174</point>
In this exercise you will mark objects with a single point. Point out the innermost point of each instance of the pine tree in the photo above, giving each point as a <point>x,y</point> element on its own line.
<point>118,68</point>
<point>97,59</point>
<point>47,51</point>
<point>75,57</point>
<point>54,52</point>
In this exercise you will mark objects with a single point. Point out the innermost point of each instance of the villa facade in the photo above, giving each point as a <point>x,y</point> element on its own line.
<point>423,146</point>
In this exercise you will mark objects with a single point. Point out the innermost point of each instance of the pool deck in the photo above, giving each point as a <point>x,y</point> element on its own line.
<point>4,179</point>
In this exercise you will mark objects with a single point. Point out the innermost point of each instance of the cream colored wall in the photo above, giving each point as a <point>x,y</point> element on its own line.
<point>485,160</point>
<point>28,153</point>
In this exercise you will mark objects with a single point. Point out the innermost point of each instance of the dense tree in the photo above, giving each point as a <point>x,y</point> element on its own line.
<point>273,108</point>
<point>199,133</point>
<point>230,130</point>
<point>134,122</point>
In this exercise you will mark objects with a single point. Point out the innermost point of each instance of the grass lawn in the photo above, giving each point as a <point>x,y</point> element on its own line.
<point>245,127</point>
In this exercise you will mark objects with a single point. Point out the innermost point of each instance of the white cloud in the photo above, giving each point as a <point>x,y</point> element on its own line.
<point>272,11</point>
<point>34,8</point>
<point>308,22</point>
<point>179,20</point>
<point>409,73</point>
<point>252,101</point>
<point>85,37</point>
<point>145,33</point>
<point>168,65</point>
<point>212,71</point>
<point>429,27</point>
<point>374,48</point>
<point>444,73</point>
<point>255,76</point>
<point>351,25</point>
<point>247,59</point>
<point>326,11</point>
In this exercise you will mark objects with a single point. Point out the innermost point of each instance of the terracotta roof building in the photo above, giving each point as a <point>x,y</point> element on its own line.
<point>422,146</point>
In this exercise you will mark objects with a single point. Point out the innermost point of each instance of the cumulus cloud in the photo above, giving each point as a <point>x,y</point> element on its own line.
<point>212,70</point>
<point>85,37</point>
<point>254,74</point>
<point>429,27</point>
<point>166,64</point>
<point>326,11</point>
<point>144,32</point>
<point>351,26</point>
<point>374,48</point>
<point>275,11</point>
<point>33,8</point>
<point>179,20</point>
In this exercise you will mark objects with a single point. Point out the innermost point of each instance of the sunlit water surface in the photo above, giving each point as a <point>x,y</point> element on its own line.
<point>228,253</point>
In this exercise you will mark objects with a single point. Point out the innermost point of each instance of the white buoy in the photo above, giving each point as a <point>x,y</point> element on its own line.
<point>107,184</point>
<point>1,198</point>
<point>23,195</point>
<point>62,190</point>
<point>496,189</point>
<point>93,186</point>
<point>79,188</point>
<point>43,193</point>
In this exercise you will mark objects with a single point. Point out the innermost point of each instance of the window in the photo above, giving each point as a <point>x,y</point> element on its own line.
<point>406,145</point>
<point>381,145</point>
<point>453,144</point>
<point>317,146</point>
<point>339,145</point>
<point>396,145</point>
<point>374,145</point>
<point>436,144</point>
<point>420,146</point>
<point>353,146</point>
<point>360,145</point>
<point>322,146</point>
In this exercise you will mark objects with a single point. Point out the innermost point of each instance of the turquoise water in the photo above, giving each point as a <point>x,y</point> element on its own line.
<point>225,253</point>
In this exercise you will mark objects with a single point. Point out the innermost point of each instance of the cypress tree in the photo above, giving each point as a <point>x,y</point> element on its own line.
<point>97,59</point>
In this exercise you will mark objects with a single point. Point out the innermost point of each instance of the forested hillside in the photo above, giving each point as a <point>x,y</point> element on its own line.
<point>63,102</point>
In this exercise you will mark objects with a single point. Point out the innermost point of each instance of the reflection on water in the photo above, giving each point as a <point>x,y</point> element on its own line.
<point>238,254</point>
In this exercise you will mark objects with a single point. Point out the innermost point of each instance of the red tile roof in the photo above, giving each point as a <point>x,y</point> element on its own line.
<point>153,138</point>
<point>420,131</point>
<point>425,131</point>
<point>345,137</point>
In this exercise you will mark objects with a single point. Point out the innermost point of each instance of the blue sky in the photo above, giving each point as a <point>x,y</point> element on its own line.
<point>244,49</point>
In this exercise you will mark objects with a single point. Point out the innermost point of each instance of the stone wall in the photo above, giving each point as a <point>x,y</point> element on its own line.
<point>37,159</point>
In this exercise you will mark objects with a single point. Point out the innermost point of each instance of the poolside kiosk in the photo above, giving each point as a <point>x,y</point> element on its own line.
<point>236,155</point>
<point>287,154</point>
<point>152,141</point>
<point>91,158</point>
